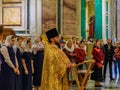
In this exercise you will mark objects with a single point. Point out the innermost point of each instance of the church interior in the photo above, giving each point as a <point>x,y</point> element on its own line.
<point>82,19</point>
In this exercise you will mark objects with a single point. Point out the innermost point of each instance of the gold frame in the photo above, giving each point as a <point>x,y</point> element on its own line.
<point>12,16</point>
<point>11,1</point>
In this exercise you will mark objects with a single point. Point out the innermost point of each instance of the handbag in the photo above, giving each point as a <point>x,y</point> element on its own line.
<point>99,65</point>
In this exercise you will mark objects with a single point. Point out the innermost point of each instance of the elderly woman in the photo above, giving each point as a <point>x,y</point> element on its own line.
<point>38,54</point>
<point>28,67</point>
<point>9,66</point>
<point>70,52</point>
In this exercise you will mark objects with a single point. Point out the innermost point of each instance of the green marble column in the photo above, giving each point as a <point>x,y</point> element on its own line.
<point>83,18</point>
<point>98,19</point>
<point>106,20</point>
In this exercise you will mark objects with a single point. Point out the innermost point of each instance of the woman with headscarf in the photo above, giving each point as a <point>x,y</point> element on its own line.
<point>19,51</point>
<point>28,69</point>
<point>38,53</point>
<point>10,67</point>
<point>70,52</point>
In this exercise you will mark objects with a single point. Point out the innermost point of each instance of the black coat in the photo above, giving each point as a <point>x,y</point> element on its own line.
<point>109,52</point>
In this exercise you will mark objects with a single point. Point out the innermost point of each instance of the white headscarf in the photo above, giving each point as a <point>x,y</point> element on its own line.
<point>27,49</point>
<point>69,49</point>
<point>37,47</point>
<point>7,41</point>
<point>5,53</point>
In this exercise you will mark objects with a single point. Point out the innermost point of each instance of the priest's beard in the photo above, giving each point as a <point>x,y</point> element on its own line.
<point>57,43</point>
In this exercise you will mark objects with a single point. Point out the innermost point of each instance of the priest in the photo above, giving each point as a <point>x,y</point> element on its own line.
<point>55,65</point>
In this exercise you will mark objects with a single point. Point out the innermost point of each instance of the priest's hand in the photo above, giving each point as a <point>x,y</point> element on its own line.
<point>70,65</point>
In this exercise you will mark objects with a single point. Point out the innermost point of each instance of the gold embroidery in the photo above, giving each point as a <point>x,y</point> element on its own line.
<point>54,75</point>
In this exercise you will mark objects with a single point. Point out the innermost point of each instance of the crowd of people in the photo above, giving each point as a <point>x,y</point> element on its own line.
<point>102,53</point>
<point>25,65</point>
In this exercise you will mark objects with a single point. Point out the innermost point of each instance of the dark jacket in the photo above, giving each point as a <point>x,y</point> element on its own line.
<point>109,52</point>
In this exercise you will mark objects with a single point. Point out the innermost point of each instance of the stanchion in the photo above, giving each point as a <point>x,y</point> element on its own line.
<point>82,83</point>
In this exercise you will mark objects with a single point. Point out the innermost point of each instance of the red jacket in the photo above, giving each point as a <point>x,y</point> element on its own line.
<point>80,55</point>
<point>98,55</point>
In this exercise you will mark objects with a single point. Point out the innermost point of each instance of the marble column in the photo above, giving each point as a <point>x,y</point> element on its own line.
<point>79,17</point>
<point>115,17</point>
<point>35,18</point>
<point>109,20</point>
<point>38,17</point>
<point>61,19</point>
<point>98,19</point>
<point>87,20</point>
<point>104,20</point>
<point>70,18</point>
<point>113,7</point>
<point>83,18</point>
<point>32,17</point>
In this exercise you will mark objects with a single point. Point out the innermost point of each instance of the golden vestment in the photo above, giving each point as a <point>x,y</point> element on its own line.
<point>54,72</point>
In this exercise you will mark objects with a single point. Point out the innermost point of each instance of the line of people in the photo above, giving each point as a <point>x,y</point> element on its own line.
<point>20,61</point>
